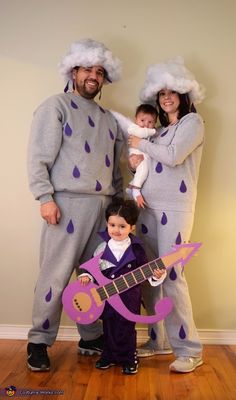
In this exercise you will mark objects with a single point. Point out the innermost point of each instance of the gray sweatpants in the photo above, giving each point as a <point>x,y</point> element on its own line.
<point>63,248</point>
<point>159,230</point>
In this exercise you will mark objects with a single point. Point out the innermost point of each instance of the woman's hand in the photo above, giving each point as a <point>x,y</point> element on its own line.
<point>133,141</point>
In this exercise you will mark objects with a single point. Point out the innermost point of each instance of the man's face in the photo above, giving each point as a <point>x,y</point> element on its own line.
<point>88,81</point>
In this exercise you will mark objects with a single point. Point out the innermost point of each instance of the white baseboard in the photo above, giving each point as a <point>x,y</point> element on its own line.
<point>70,333</point>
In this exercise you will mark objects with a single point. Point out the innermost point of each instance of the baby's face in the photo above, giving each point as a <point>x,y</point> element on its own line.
<point>145,120</point>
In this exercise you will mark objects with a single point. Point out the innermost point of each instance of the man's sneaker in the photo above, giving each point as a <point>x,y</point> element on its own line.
<point>148,349</point>
<point>91,347</point>
<point>38,359</point>
<point>185,364</point>
<point>103,364</point>
<point>130,369</point>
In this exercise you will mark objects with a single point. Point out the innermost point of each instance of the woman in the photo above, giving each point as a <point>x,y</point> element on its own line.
<point>170,193</point>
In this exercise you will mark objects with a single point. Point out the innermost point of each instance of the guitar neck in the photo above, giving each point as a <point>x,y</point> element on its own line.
<point>130,279</point>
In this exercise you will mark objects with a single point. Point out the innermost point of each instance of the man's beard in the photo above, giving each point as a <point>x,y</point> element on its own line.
<point>82,90</point>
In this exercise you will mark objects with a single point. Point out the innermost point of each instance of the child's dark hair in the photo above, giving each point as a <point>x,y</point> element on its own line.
<point>146,109</point>
<point>126,209</point>
<point>185,107</point>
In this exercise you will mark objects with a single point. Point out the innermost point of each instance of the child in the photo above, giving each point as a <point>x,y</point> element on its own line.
<point>122,253</point>
<point>143,127</point>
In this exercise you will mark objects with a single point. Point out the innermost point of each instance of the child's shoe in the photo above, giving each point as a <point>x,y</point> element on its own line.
<point>103,364</point>
<point>130,369</point>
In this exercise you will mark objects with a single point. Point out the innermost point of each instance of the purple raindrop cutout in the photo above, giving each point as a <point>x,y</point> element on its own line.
<point>70,227</point>
<point>107,161</point>
<point>76,173</point>
<point>46,324</point>
<point>164,219</point>
<point>90,121</point>
<point>87,147</point>
<point>182,333</point>
<point>73,105</point>
<point>178,240</point>
<point>159,168</point>
<point>183,187</point>
<point>144,229</point>
<point>164,133</point>
<point>173,275</point>
<point>153,334</point>
<point>111,134</point>
<point>98,186</point>
<point>68,130</point>
<point>48,297</point>
<point>102,110</point>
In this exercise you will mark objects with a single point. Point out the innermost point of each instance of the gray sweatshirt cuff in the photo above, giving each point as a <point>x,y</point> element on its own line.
<point>45,198</point>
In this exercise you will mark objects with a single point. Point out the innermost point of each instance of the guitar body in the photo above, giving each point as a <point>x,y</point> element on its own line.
<point>82,303</point>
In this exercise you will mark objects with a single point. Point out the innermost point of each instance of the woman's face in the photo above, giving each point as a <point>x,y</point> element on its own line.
<point>169,101</point>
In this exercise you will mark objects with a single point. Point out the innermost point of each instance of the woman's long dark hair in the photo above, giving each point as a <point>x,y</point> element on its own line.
<point>185,107</point>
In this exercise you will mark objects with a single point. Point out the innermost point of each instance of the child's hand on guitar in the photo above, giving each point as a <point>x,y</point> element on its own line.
<point>84,280</point>
<point>157,273</point>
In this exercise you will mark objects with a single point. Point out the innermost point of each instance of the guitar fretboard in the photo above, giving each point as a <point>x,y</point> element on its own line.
<point>130,279</point>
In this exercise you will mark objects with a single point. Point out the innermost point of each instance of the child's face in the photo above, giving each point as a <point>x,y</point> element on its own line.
<point>145,120</point>
<point>118,228</point>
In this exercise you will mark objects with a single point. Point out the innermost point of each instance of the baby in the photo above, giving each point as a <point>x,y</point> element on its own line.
<point>142,127</point>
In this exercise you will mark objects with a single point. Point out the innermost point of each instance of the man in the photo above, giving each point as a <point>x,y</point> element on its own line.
<point>73,166</point>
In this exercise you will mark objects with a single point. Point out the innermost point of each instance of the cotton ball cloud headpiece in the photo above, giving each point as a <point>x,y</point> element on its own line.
<point>172,75</point>
<point>87,53</point>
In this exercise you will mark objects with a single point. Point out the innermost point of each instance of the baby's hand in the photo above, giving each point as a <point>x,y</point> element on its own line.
<point>140,201</point>
<point>158,273</point>
<point>84,280</point>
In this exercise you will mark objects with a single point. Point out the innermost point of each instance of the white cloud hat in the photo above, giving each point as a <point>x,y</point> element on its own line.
<point>172,75</point>
<point>87,53</point>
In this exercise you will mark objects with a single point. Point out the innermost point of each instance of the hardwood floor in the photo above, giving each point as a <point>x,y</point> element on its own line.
<point>77,377</point>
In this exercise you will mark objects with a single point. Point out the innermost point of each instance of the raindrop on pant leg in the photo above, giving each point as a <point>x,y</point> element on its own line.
<point>172,274</point>
<point>164,219</point>
<point>46,324</point>
<point>182,333</point>
<point>70,227</point>
<point>48,296</point>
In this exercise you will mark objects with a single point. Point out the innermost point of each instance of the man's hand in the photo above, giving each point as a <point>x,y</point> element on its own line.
<point>50,212</point>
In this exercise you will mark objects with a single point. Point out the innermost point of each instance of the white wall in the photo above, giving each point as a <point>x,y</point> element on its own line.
<point>34,35</point>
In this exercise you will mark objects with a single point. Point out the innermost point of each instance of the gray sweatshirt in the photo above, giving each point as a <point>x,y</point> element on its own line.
<point>175,156</point>
<point>75,147</point>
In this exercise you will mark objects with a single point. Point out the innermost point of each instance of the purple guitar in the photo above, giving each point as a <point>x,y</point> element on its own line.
<point>85,304</point>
